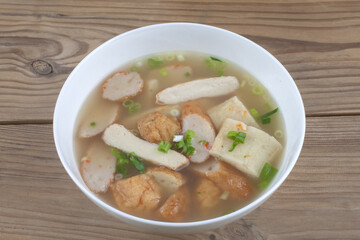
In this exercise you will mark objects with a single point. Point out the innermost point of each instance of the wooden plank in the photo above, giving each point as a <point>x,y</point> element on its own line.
<point>318,42</point>
<point>319,200</point>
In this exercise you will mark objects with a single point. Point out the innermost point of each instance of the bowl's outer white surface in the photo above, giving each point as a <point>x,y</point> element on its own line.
<point>179,37</point>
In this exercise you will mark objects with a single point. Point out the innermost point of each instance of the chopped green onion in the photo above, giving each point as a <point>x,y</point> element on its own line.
<point>178,138</point>
<point>175,112</point>
<point>189,134</point>
<point>122,165</point>
<point>164,147</point>
<point>134,108</point>
<point>163,72</point>
<point>220,73</point>
<point>238,137</point>
<point>202,142</point>
<point>263,184</point>
<point>155,62</point>
<point>185,143</point>
<point>278,133</point>
<point>268,172</point>
<point>169,58</point>
<point>215,59</point>
<point>92,124</point>
<point>257,90</point>
<point>228,211</point>
<point>136,161</point>
<point>127,103</point>
<point>266,115</point>
<point>254,112</point>
<point>265,118</point>
<point>187,74</point>
<point>135,69</point>
<point>216,64</point>
<point>266,121</point>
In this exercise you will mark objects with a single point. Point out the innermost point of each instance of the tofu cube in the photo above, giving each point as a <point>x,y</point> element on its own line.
<point>249,157</point>
<point>232,108</point>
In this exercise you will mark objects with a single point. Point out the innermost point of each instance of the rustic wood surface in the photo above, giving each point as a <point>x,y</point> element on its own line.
<point>317,41</point>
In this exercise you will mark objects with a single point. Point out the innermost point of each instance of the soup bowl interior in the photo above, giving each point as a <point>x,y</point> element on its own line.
<point>131,45</point>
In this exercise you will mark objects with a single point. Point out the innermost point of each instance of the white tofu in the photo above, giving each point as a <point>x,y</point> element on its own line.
<point>232,108</point>
<point>249,157</point>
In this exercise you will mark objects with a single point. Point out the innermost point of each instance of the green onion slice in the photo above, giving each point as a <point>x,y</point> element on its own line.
<point>134,107</point>
<point>254,112</point>
<point>238,137</point>
<point>155,62</point>
<point>215,59</point>
<point>268,172</point>
<point>266,115</point>
<point>163,72</point>
<point>136,161</point>
<point>164,147</point>
<point>257,90</point>
<point>92,124</point>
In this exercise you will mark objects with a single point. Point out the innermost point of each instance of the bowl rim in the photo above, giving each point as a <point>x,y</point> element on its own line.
<point>249,207</point>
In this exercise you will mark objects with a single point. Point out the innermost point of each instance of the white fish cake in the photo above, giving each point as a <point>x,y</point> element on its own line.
<point>232,108</point>
<point>193,118</point>
<point>118,136</point>
<point>98,167</point>
<point>122,85</point>
<point>249,157</point>
<point>208,87</point>
<point>96,121</point>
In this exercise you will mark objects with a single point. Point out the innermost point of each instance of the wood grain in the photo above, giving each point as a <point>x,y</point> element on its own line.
<point>317,41</point>
<point>319,200</point>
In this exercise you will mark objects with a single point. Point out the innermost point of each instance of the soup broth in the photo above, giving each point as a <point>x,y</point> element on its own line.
<point>191,66</point>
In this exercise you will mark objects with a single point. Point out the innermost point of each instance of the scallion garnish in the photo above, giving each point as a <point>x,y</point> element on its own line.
<point>187,74</point>
<point>257,90</point>
<point>122,164</point>
<point>265,119</point>
<point>136,161</point>
<point>216,64</point>
<point>268,172</point>
<point>238,137</point>
<point>164,147</point>
<point>131,105</point>
<point>154,62</point>
<point>185,143</point>
<point>215,59</point>
<point>163,72</point>
<point>92,124</point>
<point>254,112</point>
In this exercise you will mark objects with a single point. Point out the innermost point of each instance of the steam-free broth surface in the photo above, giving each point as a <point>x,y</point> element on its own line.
<point>188,66</point>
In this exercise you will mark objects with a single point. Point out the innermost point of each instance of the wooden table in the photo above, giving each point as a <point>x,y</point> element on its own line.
<point>317,41</point>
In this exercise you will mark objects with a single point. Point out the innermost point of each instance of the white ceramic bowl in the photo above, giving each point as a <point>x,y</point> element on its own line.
<point>183,37</point>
